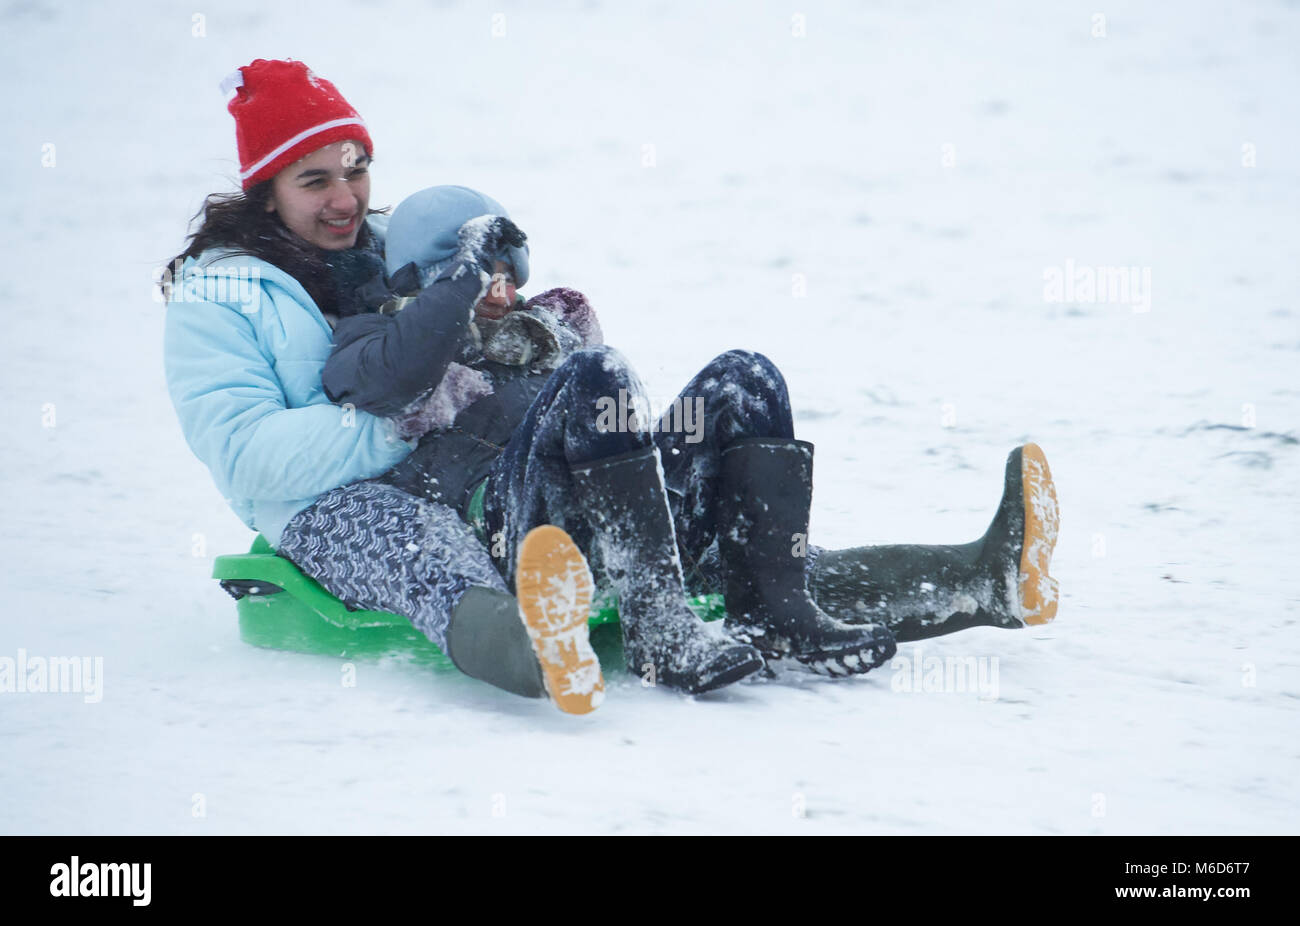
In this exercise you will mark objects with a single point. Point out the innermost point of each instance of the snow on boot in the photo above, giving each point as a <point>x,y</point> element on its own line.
<point>1018,545</point>
<point>763,506</point>
<point>921,591</point>
<point>624,499</point>
<point>554,588</point>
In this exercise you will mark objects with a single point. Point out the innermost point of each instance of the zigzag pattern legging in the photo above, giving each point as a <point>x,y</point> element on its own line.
<point>374,546</point>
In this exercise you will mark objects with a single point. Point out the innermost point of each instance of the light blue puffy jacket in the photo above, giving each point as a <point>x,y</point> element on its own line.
<point>243,347</point>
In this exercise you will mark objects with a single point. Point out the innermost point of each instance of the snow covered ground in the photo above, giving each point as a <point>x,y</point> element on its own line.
<point>873,195</point>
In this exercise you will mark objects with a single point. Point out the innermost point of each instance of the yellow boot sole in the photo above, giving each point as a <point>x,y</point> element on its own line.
<point>1039,592</point>
<point>554,588</point>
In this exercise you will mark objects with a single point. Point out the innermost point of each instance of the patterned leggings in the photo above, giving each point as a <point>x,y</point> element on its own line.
<point>374,546</point>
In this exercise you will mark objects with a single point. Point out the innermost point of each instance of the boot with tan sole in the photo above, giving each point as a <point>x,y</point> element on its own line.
<point>534,645</point>
<point>554,588</point>
<point>920,591</point>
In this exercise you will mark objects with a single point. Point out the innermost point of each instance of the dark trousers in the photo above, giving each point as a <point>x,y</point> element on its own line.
<point>586,412</point>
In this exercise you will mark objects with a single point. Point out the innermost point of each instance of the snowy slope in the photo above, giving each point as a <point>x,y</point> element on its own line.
<point>1162,700</point>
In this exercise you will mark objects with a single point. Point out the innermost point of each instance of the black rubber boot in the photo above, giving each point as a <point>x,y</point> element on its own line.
<point>763,502</point>
<point>626,504</point>
<point>486,640</point>
<point>1000,580</point>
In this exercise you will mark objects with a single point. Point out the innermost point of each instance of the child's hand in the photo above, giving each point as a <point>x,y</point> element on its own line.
<point>500,296</point>
<point>484,239</point>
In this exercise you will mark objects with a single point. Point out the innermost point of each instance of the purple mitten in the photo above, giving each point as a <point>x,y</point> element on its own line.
<point>460,388</point>
<point>573,309</point>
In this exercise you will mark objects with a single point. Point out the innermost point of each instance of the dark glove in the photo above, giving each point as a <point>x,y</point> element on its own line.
<point>573,310</point>
<point>486,239</point>
<point>530,337</point>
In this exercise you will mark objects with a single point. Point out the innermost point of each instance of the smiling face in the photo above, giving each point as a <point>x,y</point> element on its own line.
<point>323,198</point>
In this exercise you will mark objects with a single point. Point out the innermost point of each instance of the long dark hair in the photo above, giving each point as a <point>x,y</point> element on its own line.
<point>239,221</point>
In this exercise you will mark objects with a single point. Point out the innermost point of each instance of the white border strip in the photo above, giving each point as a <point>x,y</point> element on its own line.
<point>314,130</point>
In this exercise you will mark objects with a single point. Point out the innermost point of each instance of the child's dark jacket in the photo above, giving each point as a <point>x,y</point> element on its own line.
<point>464,383</point>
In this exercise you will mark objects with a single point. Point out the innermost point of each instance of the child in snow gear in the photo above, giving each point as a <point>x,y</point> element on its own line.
<point>514,356</point>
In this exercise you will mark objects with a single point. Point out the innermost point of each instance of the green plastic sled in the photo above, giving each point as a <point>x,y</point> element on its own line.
<point>281,608</point>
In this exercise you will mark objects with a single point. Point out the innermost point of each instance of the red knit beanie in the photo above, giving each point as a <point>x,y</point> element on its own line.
<point>284,112</point>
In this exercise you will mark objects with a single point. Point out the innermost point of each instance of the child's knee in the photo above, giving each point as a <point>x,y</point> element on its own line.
<point>599,370</point>
<point>749,369</point>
